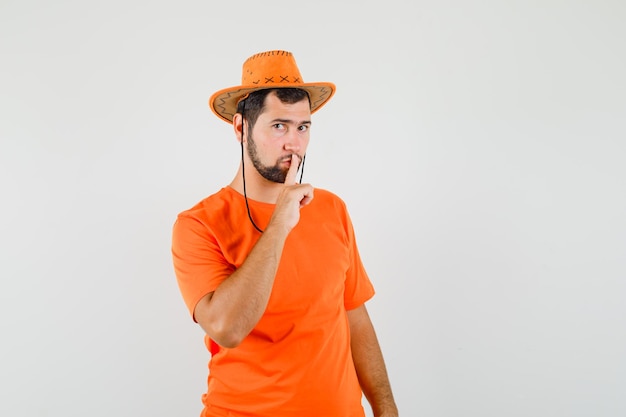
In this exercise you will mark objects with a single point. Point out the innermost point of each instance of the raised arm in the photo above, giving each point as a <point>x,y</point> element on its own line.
<point>229,313</point>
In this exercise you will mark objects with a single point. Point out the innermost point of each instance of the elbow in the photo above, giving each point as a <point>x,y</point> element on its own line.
<point>227,330</point>
<point>223,334</point>
<point>228,340</point>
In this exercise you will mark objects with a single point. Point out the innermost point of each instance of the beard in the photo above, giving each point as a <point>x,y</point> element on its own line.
<point>274,173</point>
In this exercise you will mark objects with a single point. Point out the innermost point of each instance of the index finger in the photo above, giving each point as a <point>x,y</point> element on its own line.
<point>290,179</point>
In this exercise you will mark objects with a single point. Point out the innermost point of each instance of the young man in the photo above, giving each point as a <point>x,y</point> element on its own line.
<point>270,269</point>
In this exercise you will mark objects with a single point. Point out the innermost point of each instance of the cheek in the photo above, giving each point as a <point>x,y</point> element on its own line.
<point>305,142</point>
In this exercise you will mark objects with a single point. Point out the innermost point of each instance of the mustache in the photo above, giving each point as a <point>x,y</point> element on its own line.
<point>288,158</point>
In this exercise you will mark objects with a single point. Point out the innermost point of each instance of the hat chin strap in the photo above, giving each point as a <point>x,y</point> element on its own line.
<point>245,195</point>
<point>243,171</point>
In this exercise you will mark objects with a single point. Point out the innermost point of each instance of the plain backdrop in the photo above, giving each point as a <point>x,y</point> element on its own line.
<point>479,145</point>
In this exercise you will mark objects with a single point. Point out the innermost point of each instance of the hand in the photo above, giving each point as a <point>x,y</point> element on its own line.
<point>291,199</point>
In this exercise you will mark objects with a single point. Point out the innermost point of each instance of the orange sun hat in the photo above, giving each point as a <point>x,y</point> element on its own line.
<point>271,69</point>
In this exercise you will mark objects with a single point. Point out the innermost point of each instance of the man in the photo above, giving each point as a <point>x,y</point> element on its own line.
<point>270,269</point>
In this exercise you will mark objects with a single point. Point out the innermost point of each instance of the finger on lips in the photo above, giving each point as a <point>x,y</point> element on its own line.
<point>290,179</point>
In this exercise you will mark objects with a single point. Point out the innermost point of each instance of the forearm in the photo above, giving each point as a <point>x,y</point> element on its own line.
<point>370,365</point>
<point>236,306</point>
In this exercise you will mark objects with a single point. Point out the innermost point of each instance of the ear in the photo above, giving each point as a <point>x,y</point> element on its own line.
<point>238,126</point>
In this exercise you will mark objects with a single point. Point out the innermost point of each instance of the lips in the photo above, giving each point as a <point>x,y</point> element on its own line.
<point>286,160</point>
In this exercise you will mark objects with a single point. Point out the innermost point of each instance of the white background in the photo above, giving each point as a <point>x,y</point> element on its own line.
<point>479,145</point>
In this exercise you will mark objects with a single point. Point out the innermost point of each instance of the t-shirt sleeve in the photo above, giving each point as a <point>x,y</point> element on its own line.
<point>358,288</point>
<point>198,260</point>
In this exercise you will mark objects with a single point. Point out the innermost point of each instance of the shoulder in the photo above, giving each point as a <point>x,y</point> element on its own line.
<point>328,205</point>
<point>328,198</point>
<point>214,202</point>
<point>211,207</point>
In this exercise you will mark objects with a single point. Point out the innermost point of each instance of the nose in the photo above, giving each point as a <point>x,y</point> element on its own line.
<point>293,143</point>
<point>292,147</point>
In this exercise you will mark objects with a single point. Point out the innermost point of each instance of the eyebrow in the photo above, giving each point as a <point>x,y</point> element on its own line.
<point>287,121</point>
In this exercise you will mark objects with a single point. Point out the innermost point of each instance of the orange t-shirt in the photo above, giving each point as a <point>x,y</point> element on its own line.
<point>297,360</point>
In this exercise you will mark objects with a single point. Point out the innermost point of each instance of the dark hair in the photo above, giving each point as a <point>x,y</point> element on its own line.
<point>255,102</point>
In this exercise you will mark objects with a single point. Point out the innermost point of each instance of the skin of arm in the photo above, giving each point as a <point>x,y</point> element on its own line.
<point>369,364</point>
<point>228,314</point>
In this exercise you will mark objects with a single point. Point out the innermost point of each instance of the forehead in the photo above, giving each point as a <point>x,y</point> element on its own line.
<point>273,107</point>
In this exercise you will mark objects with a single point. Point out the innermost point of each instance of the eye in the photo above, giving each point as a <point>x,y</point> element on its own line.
<point>303,128</point>
<point>279,126</point>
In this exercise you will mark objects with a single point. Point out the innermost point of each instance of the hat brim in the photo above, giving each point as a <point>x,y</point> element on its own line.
<point>224,102</point>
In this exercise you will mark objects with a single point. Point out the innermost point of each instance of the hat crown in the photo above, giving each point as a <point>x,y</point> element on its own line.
<point>271,68</point>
